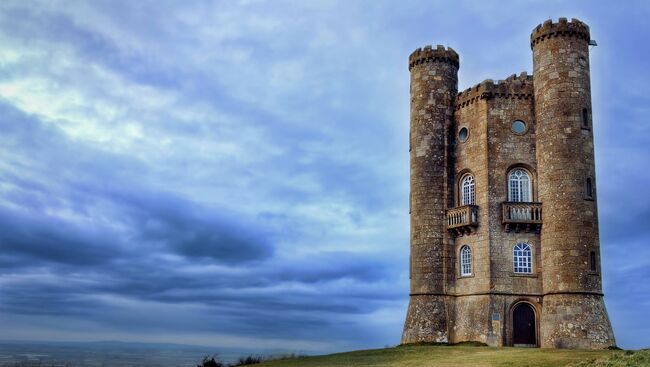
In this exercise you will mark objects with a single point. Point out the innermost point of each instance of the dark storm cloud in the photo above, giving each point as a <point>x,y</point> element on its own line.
<point>190,230</point>
<point>64,299</point>
<point>157,218</point>
<point>41,238</point>
<point>238,303</point>
<point>159,223</point>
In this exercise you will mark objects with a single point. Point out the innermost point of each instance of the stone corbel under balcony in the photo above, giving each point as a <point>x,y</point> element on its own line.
<point>520,216</point>
<point>462,220</point>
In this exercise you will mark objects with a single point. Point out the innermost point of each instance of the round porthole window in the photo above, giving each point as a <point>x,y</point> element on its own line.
<point>463,134</point>
<point>518,127</point>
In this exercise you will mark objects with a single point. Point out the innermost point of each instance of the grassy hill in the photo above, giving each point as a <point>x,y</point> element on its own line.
<point>470,356</point>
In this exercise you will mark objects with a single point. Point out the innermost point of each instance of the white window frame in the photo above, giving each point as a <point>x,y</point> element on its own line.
<point>467,190</point>
<point>465,260</point>
<point>522,258</point>
<point>519,186</point>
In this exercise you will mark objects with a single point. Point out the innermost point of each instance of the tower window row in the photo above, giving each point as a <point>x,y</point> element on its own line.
<point>522,259</point>
<point>519,187</point>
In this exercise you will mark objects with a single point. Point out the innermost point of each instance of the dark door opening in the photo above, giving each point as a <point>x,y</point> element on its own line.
<point>523,326</point>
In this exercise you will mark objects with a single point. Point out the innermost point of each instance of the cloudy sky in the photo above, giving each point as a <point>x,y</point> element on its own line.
<point>234,173</point>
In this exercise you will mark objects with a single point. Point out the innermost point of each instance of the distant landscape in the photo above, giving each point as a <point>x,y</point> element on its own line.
<point>114,354</point>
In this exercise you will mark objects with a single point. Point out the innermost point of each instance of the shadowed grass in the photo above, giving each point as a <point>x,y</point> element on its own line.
<point>461,356</point>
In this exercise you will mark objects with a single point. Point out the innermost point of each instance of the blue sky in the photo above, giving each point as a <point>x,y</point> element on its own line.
<point>236,173</point>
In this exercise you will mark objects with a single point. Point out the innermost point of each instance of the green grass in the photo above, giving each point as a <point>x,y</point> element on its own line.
<point>470,356</point>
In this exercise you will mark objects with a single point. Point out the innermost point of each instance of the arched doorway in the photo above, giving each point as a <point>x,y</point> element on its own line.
<point>524,333</point>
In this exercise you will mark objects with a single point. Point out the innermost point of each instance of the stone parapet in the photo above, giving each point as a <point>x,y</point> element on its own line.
<point>562,28</point>
<point>515,86</point>
<point>430,54</point>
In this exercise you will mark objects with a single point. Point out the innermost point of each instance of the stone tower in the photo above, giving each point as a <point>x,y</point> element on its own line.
<point>504,225</point>
<point>434,84</point>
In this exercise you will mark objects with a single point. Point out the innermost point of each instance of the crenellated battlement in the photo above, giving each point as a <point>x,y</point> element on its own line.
<point>515,86</point>
<point>548,29</point>
<point>430,54</point>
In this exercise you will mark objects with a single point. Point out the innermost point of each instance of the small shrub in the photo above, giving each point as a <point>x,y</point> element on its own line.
<point>211,362</point>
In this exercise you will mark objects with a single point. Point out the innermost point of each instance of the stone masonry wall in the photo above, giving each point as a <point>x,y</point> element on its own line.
<point>512,100</point>
<point>470,158</point>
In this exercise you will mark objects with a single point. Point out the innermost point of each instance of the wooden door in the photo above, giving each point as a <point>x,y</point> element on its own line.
<point>523,326</point>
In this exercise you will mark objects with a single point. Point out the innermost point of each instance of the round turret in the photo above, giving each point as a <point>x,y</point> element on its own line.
<point>434,84</point>
<point>567,188</point>
<point>565,155</point>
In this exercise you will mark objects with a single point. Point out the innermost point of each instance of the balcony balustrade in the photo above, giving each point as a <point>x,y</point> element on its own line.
<point>462,220</point>
<point>520,216</point>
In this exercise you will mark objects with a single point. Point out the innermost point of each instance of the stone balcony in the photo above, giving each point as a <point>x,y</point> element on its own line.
<point>518,216</point>
<point>462,220</point>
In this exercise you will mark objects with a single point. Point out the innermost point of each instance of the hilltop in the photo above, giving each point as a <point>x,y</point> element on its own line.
<point>470,356</point>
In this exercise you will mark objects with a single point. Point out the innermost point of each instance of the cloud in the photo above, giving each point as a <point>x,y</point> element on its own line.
<point>82,234</point>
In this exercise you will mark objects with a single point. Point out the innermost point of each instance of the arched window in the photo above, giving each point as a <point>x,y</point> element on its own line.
<point>465,261</point>
<point>585,118</point>
<point>519,186</point>
<point>592,261</point>
<point>468,196</point>
<point>589,191</point>
<point>522,258</point>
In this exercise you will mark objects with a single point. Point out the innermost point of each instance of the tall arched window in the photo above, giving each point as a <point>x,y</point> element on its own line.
<point>523,258</point>
<point>465,261</point>
<point>519,186</point>
<point>589,191</point>
<point>468,195</point>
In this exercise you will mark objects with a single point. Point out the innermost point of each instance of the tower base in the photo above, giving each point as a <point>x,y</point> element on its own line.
<point>426,320</point>
<point>576,321</point>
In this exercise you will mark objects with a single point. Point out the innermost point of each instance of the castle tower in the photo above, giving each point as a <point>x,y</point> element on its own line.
<point>504,224</point>
<point>573,313</point>
<point>434,83</point>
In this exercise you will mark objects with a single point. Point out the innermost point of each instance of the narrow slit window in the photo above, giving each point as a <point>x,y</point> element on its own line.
<point>585,118</point>
<point>589,191</point>
<point>592,261</point>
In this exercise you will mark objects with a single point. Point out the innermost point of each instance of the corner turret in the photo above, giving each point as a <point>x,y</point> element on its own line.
<point>434,84</point>
<point>573,314</point>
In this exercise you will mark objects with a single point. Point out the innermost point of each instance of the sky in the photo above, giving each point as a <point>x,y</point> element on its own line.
<point>235,173</point>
